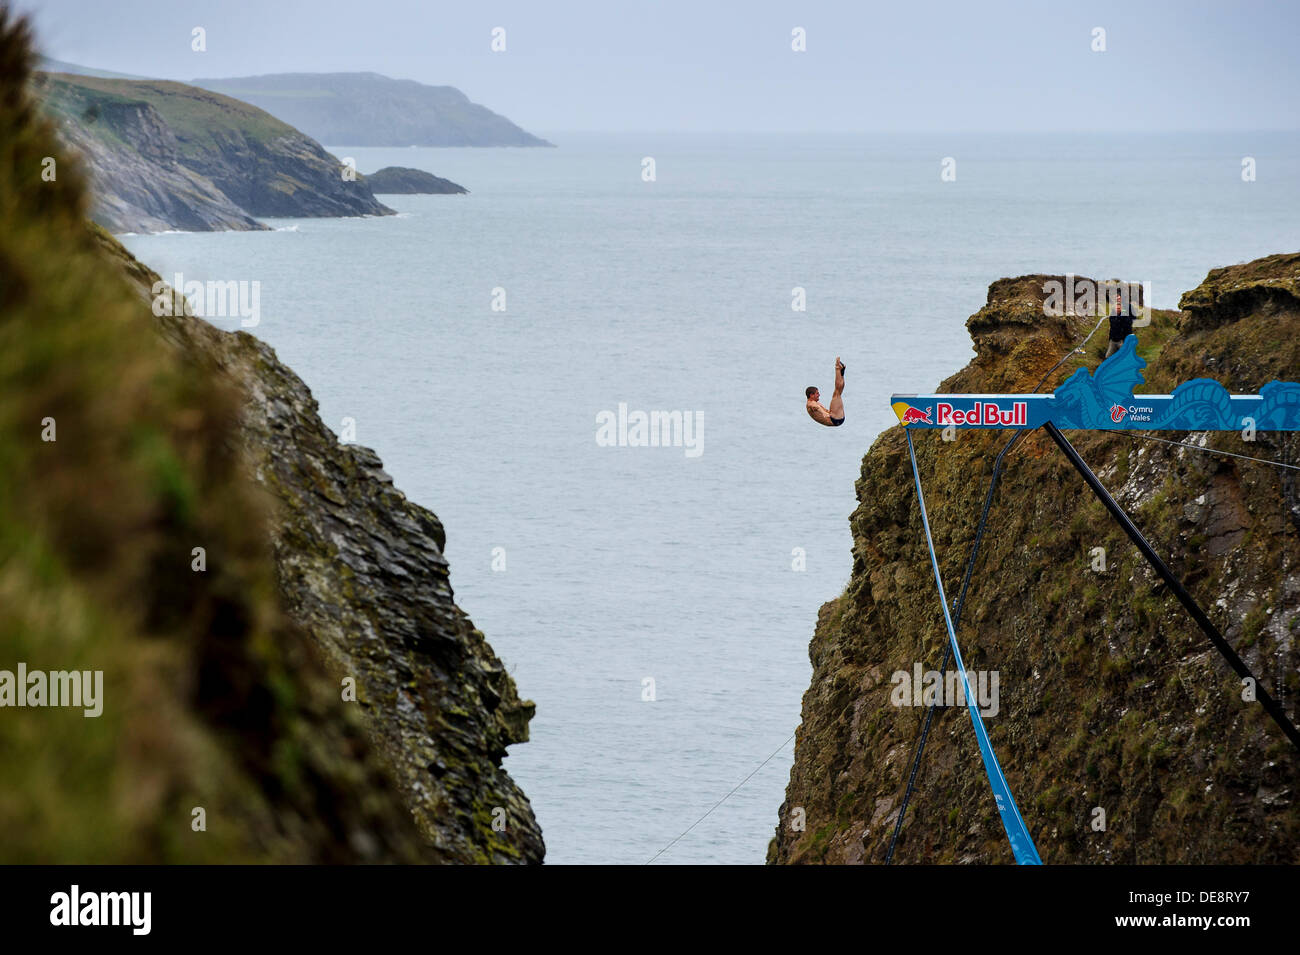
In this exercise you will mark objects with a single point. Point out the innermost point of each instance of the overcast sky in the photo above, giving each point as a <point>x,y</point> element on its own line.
<point>613,65</point>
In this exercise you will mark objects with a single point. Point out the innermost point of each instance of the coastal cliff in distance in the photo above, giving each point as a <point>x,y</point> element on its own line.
<point>286,677</point>
<point>164,155</point>
<point>1110,697</point>
<point>368,109</point>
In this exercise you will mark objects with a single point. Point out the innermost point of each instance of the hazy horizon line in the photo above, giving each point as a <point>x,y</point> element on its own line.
<point>547,134</point>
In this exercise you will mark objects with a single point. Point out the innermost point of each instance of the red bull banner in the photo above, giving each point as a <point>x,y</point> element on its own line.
<point>1105,399</point>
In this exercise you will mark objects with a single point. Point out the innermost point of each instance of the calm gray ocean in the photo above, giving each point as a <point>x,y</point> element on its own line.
<point>624,565</point>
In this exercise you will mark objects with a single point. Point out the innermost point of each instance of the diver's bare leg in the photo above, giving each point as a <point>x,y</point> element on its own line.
<point>837,402</point>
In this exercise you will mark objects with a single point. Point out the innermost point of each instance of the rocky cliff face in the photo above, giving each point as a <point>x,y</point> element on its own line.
<point>174,516</point>
<point>362,571</point>
<point>1110,697</point>
<point>141,186</point>
<point>169,156</point>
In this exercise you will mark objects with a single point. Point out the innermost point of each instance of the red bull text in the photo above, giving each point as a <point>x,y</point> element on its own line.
<point>986,413</point>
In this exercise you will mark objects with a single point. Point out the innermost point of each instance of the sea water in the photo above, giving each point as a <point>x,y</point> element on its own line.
<point>655,602</point>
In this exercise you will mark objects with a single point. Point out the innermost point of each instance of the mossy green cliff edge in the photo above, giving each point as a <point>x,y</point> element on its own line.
<point>126,442</point>
<point>1110,697</point>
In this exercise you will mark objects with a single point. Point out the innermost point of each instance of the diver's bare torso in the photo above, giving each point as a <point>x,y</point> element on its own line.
<point>833,416</point>
<point>819,414</point>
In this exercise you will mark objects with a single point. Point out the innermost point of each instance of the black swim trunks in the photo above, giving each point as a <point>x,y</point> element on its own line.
<point>837,421</point>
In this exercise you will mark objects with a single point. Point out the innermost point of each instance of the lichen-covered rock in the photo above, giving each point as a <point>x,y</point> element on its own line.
<point>362,571</point>
<point>1110,697</point>
<point>1255,288</point>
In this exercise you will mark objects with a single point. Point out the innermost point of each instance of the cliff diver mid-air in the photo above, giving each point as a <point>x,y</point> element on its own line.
<point>834,416</point>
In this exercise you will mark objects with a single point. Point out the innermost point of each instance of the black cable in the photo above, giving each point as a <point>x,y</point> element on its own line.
<point>1203,621</point>
<point>1073,351</point>
<point>947,654</point>
<point>961,598</point>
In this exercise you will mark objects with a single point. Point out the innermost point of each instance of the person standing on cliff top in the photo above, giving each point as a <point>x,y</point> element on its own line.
<point>834,416</point>
<point>1121,324</point>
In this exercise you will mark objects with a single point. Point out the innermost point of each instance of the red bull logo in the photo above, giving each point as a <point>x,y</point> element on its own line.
<point>986,413</point>
<point>916,416</point>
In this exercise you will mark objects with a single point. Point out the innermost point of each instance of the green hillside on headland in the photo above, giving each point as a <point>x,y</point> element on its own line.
<point>368,109</point>
<point>164,155</point>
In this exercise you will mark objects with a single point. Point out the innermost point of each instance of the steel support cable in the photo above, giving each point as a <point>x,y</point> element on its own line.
<point>947,653</point>
<point>919,749</point>
<point>1271,706</point>
<point>1283,465</point>
<point>1022,843</point>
